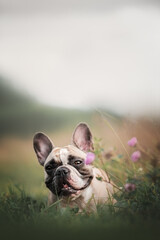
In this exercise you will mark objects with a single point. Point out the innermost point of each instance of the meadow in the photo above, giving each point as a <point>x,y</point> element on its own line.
<point>24,212</point>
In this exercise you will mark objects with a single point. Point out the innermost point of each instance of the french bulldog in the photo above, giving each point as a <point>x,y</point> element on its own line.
<point>67,176</point>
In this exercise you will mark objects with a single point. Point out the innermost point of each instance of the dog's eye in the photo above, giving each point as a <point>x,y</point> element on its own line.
<point>77,162</point>
<point>49,167</point>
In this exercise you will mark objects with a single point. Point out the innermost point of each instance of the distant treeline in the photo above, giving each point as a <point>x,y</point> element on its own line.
<point>21,115</point>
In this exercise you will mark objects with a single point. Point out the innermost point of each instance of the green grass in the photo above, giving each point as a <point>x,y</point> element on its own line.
<point>24,213</point>
<point>25,216</point>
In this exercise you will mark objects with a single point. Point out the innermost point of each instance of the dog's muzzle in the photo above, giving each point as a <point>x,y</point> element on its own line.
<point>66,182</point>
<point>62,172</point>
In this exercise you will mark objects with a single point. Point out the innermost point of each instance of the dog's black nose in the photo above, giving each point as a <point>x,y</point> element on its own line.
<point>62,171</point>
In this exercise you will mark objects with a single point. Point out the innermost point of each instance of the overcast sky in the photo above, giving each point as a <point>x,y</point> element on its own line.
<point>77,53</point>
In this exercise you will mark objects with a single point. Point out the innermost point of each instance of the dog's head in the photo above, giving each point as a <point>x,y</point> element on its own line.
<point>66,173</point>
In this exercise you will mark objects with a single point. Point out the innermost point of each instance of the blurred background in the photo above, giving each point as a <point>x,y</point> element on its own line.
<point>67,61</point>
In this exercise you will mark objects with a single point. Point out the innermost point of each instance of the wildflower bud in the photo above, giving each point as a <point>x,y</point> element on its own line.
<point>140,169</point>
<point>89,158</point>
<point>130,187</point>
<point>135,156</point>
<point>132,142</point>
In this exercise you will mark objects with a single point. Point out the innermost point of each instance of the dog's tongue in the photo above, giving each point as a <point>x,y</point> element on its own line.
<point>65,185</point>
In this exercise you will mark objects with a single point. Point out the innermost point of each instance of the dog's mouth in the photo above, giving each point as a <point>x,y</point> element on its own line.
<point>62,187</point>
<point>68,189</point>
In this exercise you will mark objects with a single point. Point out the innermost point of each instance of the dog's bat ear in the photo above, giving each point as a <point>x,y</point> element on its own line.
<point>82,138</point>
<point>42,146</point>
